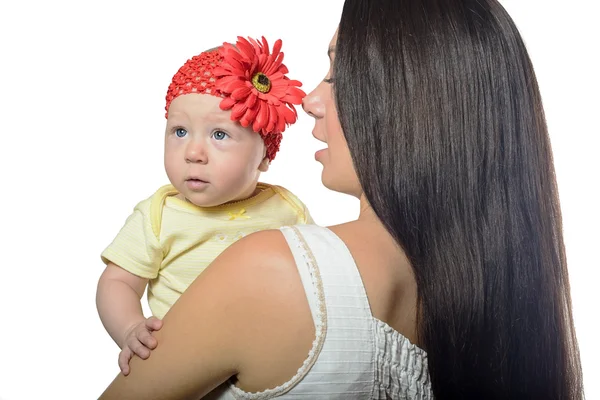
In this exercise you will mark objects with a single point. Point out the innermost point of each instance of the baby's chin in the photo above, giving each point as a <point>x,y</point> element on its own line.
<point>205,200</point>
<point>198,198</point>
<point>206,195</point>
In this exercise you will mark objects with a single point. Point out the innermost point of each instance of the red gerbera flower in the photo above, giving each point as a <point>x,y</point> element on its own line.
<point>258,91</point>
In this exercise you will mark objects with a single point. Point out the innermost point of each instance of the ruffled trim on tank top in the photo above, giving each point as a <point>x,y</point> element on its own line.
<point>402,371</point>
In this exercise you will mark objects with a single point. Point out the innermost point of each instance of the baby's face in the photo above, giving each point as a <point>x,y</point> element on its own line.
<point>209,158</point>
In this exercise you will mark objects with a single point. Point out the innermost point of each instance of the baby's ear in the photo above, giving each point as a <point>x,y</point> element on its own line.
<point>264,165</point>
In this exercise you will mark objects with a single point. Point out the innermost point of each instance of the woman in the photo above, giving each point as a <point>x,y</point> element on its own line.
<point>451,284</point>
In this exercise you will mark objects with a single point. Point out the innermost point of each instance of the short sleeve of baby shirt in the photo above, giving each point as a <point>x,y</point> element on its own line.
<point>302,212</point>
<point>136,248</point>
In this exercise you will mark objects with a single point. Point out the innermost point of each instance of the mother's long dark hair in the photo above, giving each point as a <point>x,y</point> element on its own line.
<point>442,113</point>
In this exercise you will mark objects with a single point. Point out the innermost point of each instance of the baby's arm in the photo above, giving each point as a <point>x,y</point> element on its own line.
<point>118,302</point>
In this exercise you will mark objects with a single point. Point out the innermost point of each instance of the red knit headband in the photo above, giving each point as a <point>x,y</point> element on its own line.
<point>252,82</point>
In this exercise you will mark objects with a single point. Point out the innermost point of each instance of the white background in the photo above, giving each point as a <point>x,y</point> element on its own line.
<point>82,87</point>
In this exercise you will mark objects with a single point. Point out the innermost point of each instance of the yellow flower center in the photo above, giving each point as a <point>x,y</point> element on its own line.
<point>261,82</point>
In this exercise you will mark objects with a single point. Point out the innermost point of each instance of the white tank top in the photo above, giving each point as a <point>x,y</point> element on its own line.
<point>354,355</point>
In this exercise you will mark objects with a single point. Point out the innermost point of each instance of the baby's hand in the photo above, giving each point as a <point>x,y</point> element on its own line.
<point>138,341</point>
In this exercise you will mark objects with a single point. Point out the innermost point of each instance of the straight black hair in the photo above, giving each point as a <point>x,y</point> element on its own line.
<point>441,110</point>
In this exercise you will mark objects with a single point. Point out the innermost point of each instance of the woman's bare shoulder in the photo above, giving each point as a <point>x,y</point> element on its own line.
<point>264,245</point>
<point>262,259</point>
<point>268,303</point>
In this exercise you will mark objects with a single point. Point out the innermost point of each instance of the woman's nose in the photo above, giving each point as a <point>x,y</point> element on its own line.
<point>313,105</point>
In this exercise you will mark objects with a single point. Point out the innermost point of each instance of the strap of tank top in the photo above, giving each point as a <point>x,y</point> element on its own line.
<point>322,259</point>
<point>350,334</point>
<point>306,271</point>
<point>337,268</point>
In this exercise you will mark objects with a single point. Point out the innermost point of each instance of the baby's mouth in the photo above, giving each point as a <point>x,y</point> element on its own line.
<point>196,184</point>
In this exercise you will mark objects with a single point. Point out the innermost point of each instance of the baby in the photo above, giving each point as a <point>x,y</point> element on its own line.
<point>226,111</point>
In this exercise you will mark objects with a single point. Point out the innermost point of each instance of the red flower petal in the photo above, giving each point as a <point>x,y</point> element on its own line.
<point>227,49</point>
<point>275,65</point>
<point>265,45</point>
<point>248,118</point>
<point>278,91</point>
<point>273,118</point>
<point>262,118</point>
<point>234,54</point>
<point>253,69</point>
<point>293,82</point>
<point>262,60</point>
<point>293,96</point>
<point>277,46</point>
<point>280,119</point>
<point>271,99</point>
<point>251,100</point>
<point>255,44</point>
<point>238,110</point>
<point>289,114</point>
<point>237,67</point>
<point>226,103</point>
<point>227,80</point>
<point>234,84</point>
<point>245,48</point>
<point>241,93</point>
<point>283,69</point>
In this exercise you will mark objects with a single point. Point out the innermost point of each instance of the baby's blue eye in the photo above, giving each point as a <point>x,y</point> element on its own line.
<point>180,132</point>
<point>219,135</point>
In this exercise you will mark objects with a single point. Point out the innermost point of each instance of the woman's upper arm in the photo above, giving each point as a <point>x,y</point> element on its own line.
<point>208,331</point>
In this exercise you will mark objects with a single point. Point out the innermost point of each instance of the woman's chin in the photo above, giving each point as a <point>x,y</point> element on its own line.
<point>330,182</point>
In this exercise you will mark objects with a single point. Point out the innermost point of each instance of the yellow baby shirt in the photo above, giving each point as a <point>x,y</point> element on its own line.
<point>171,241</point>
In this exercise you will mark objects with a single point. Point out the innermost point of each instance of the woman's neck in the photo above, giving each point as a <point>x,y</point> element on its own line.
<point>368,218</point>
<point>366,213</point>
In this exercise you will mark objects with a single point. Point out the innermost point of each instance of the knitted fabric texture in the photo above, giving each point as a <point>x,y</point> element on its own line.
<point>195,76</point>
